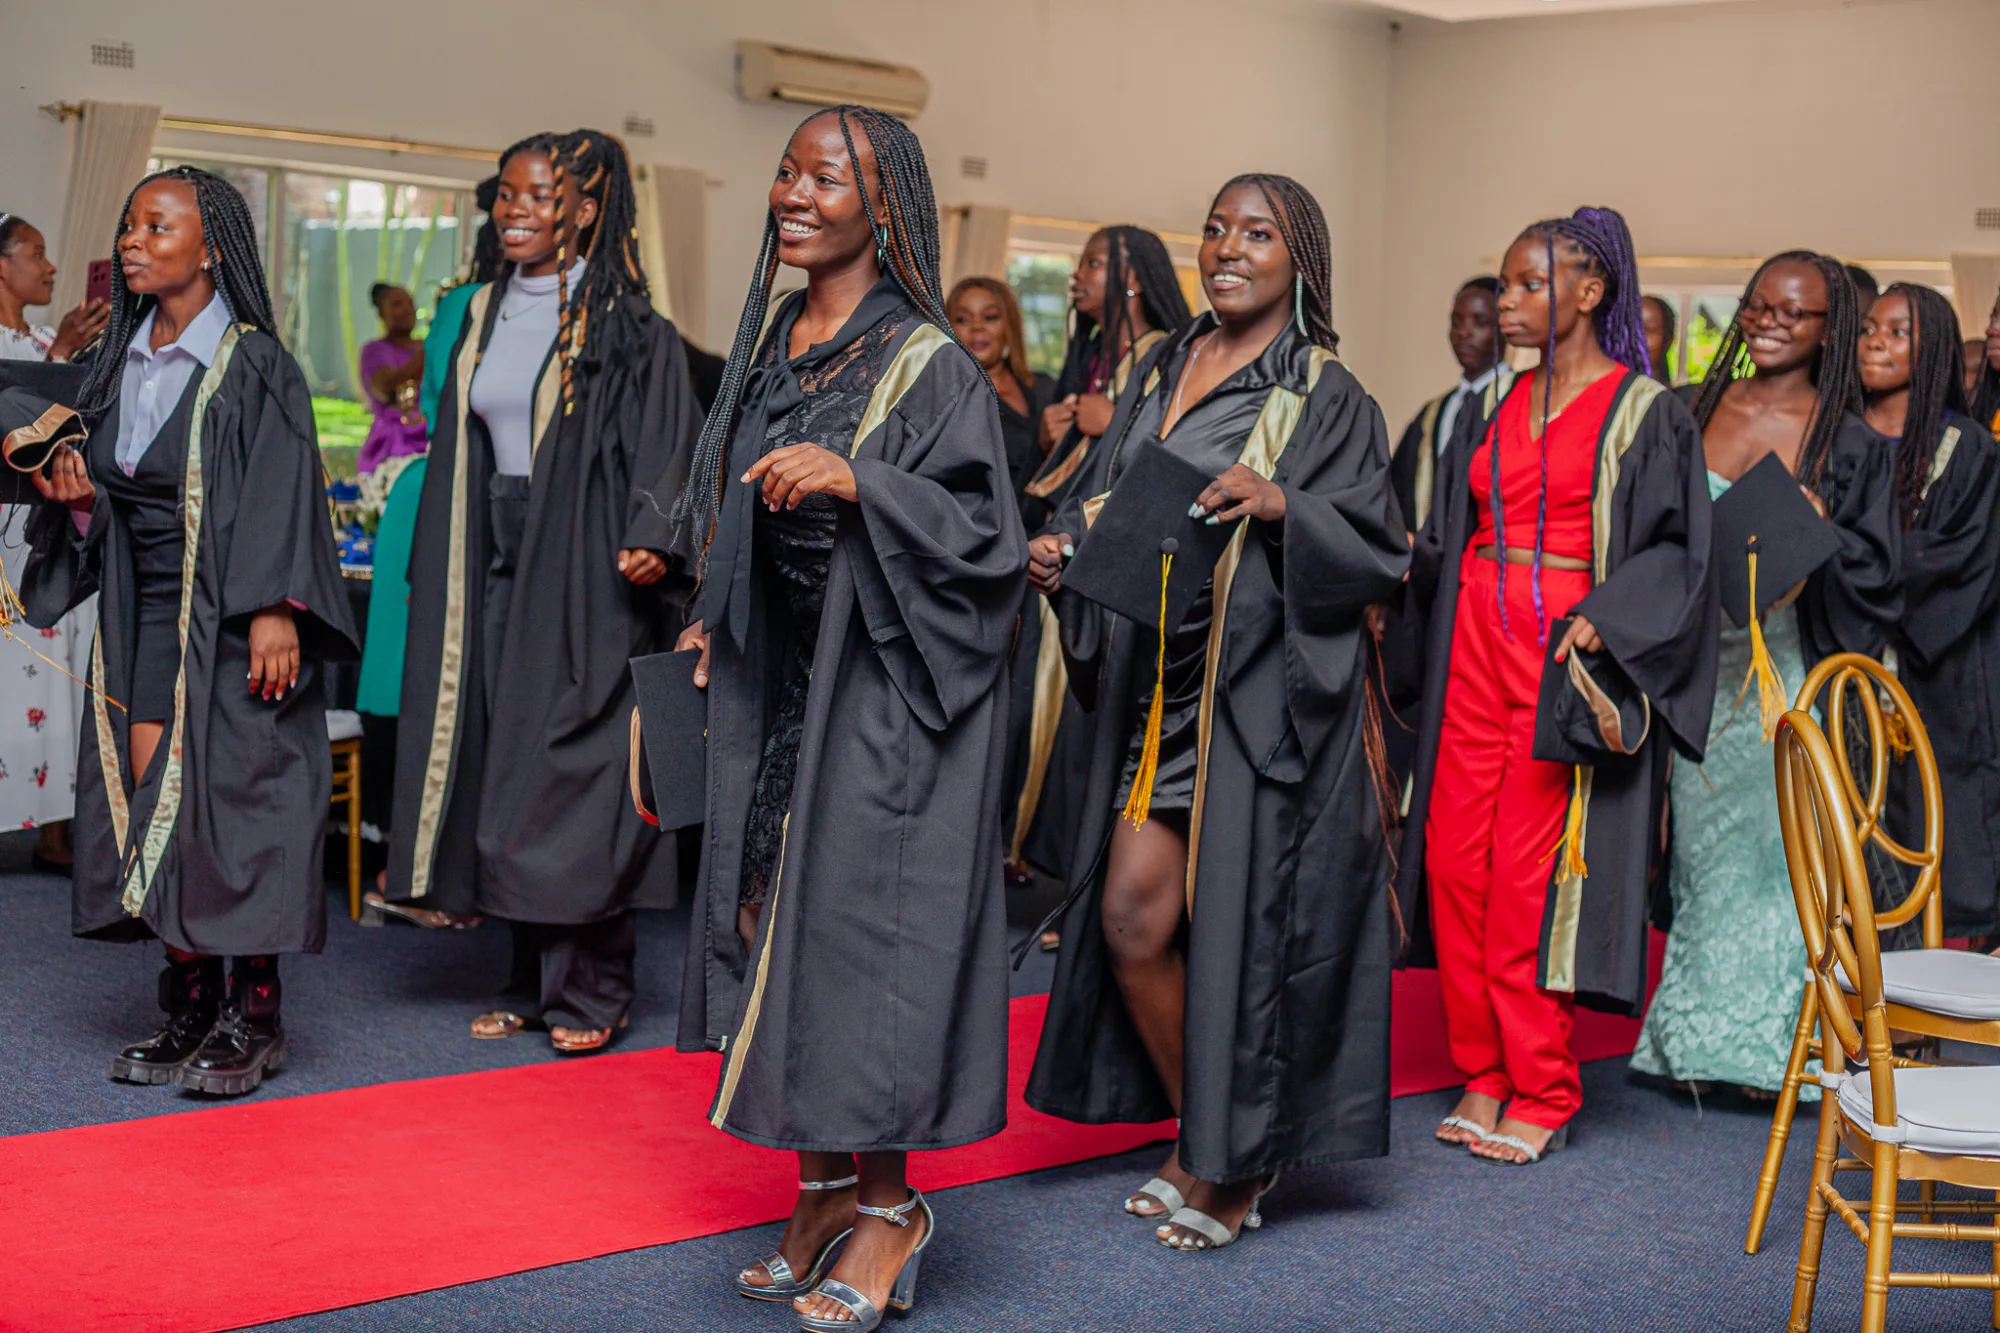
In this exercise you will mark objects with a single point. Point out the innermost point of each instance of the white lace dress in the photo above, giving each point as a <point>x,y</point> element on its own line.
<point>41,709</point>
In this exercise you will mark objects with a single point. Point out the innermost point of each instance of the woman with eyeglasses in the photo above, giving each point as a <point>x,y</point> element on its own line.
<point>1783,384</point>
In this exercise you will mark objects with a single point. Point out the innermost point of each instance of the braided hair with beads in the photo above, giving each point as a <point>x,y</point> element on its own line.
<point>1302,224</point>
<point>590,164</point>
<point>907,249</point>
<point>1834,373</point>
<point>1132,253</point>
<point>234,261</point>
<point>1937,386</point>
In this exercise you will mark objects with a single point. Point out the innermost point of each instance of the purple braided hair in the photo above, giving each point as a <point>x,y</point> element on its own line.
<point>1604,246</point>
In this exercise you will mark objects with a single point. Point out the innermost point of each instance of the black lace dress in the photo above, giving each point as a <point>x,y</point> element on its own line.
<point>791,551</point>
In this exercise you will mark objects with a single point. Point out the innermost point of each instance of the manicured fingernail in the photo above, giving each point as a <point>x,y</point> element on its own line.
<point>1194,510</point>
<point>744,477</point>
<point>1213,520</point>
<point>1068,550</point>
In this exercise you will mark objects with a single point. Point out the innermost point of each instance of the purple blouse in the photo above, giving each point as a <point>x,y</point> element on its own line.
<point>391,436</point>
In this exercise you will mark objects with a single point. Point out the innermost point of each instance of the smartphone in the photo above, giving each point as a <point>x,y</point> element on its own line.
<point>99,287</point>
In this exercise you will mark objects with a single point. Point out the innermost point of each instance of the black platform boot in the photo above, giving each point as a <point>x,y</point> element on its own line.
<point>191,993</point>
<point>247,1041</point>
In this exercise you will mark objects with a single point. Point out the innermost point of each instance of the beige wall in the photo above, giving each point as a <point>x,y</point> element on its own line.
<point>1863,129</point>
<point>1036,92</point>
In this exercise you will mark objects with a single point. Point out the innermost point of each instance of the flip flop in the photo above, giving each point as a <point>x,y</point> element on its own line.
<point>499,1025</point>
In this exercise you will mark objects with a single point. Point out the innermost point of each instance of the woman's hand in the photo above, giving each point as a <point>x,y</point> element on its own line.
<point>274,652</point>
<point>792,473</point>
<point>78,328</point>
<point>1045,561</point>
<point>694,636</point>
<point>1093,414</point>
<point>1057,418</point>
<point>1241,493</point>
<point>1581,635</point>
<point>642,567</point>
<point>68,480</point>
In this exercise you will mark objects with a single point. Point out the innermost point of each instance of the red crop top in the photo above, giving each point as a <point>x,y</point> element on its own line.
<point>1572,461</point>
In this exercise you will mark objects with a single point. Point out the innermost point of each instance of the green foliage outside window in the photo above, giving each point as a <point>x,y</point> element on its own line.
<point>1041,284</point>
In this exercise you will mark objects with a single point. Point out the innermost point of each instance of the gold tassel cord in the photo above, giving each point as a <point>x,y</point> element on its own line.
<point>12,613</point>
<point>1571,845</point>
<point>1140,803</point>
<point>1771,694</point>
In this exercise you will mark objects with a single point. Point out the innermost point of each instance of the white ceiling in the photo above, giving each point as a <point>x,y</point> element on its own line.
<point>1461,11</point>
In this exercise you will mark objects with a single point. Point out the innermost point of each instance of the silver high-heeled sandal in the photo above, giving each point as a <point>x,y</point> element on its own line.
<point>783,1285</point>
<point>1209,1233</point>
<point>1161,1191</point>
<point>902,1292</point>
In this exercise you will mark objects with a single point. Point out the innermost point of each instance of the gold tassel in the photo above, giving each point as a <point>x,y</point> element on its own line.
<point>1570,847</point>
<point>1896,730</point>
<point>1771,696</point>
<point>1140,802</point>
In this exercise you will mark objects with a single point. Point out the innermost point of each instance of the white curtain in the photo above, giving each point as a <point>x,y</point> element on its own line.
<point>673,244</point>
<point>1974,280</point>
<point>977,240</point>
<point>113,141</point>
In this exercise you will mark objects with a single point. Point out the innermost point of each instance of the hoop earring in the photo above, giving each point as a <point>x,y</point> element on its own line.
<point>1299,303</point>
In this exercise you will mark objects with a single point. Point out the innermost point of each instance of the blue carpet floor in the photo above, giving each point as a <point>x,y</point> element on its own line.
<point>1637,1227</point>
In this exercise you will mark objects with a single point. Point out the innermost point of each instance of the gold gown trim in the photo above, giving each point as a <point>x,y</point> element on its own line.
<point>1620,429</point>
<point>1051,683</point>
<point>1042,487</point>
<point>143,862</point>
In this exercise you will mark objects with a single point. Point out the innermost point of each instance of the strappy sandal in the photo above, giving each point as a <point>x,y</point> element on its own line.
<point>1478,1131</point>
<point>1161,1191</point>
<point>902,1292</point>
<point>783,1286</point>
<point>429,918</point>
<point>1557,1142</point>
<point>497,1025</point>
<point>1210,1234</point>
<point>586,1040</point>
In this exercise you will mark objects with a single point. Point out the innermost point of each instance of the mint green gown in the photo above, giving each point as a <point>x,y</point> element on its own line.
<point>1728,998</point>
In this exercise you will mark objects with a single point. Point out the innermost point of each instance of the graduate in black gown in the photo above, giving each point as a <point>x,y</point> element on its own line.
<point>987,319</point>
<point>862,563</point>
<point>1948,645</point>
<point>1984,394</point>
<point>1475,342</point>
<point>1226,950</point>
<point>197,512</point>
<point>537,570</point>
<point>1124,295</point>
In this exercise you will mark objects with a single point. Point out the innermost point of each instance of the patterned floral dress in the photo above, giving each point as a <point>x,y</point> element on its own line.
<point>1735,965</point>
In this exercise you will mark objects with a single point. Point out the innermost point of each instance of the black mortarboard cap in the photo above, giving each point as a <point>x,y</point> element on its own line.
<point>1117,565</point>
<point>1589,711</point>
<point>31,427</point>
<point>1766,510</point>
<point>673,721</point>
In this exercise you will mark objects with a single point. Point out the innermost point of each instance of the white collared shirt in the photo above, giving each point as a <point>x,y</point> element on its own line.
<point>154,381</point>
<point>1449,416</point>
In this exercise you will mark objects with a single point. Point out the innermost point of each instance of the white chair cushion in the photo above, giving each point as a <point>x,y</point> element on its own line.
<point>1950,1110</point>
<point>342,724</point>
<point>1954,982</point>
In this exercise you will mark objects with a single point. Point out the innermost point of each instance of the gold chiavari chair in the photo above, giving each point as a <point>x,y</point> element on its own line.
<point>1933,992</point>
<point>1896,1118</point>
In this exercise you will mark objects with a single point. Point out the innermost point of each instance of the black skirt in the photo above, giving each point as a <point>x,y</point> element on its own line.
<point>1180,715</point>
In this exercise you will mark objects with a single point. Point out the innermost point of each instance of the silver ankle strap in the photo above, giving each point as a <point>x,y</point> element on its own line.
<point>840,1184</point>
<point>897,1216</point>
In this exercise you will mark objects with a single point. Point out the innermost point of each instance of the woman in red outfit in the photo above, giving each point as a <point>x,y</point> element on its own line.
<point>1579,520</point>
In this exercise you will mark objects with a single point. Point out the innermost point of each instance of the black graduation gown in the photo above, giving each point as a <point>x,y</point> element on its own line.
<point>1948,651</point>
<point>1022,431</point>
<point>1656,608</point>
<point>872,1015</point>
<point>217,850</point>
<point>1288,952</point>
<point>524,813</point>
<point>1418,446</point>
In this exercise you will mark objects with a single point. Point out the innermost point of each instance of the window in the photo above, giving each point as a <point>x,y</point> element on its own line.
<point>1042,253</point>
<point>336,236</point>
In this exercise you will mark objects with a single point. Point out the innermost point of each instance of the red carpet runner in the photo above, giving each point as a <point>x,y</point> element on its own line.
<point>345,1197</point>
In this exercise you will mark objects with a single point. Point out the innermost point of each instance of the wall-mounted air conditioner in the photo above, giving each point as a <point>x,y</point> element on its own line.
<point>767,73</point>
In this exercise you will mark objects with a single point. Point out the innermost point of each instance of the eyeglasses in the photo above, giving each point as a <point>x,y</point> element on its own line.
<point>1788,314</point>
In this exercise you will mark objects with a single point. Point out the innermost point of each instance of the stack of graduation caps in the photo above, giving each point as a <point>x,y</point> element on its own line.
<point>1118,565</point>
<point>672,768</point>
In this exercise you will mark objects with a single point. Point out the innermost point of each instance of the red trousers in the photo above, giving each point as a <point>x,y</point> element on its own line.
<point>1496,814</point>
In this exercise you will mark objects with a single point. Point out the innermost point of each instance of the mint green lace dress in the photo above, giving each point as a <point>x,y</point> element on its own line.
<point>1735,966</point>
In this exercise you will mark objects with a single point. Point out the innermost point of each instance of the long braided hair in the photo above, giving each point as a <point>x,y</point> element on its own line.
<point>1598,244</point>
<point>1302,225</point>
<point>234,261</point>
<point>1937,385</point>
<point>590,164</point>
<point>1834,371</point>
<point>1131,253</point>
<point>906,248</point>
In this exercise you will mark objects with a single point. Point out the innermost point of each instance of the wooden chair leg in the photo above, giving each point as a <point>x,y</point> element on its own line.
<point>1812,1240</point>
<point>354,837</point>
<point>1781,1120</point>
<point>1881,1241</point>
